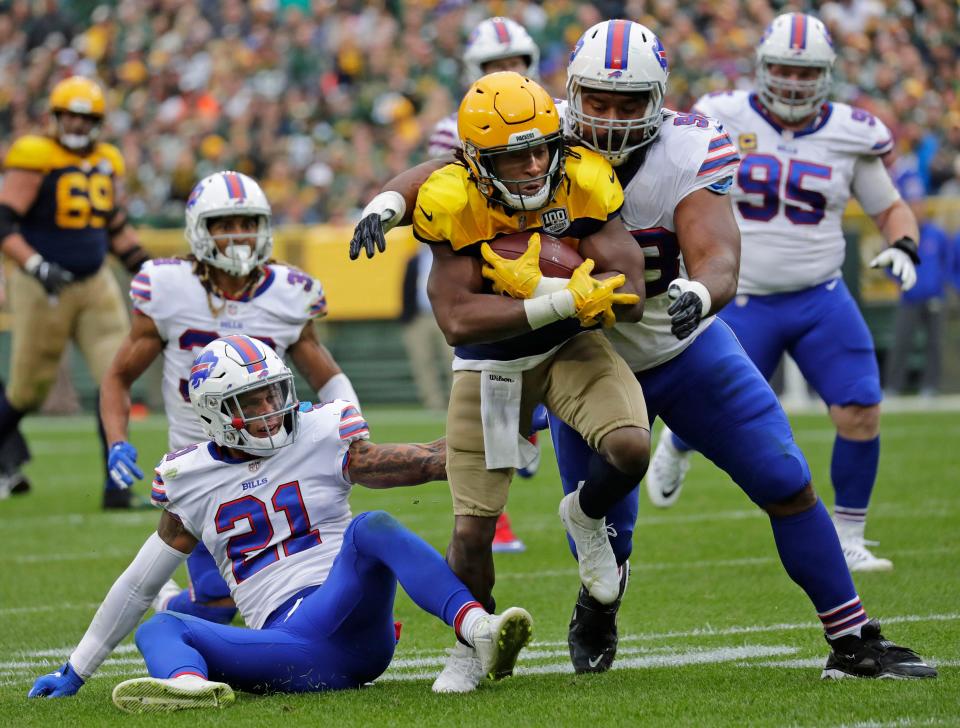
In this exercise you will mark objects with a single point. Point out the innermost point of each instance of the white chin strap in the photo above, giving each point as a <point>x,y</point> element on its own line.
<point>524,202</point>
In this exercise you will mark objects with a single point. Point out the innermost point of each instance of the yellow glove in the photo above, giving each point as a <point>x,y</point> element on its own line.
<point>517,278</point>
<point>594,299</point>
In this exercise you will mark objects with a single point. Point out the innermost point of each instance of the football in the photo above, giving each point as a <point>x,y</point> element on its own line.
<point>557,259</point>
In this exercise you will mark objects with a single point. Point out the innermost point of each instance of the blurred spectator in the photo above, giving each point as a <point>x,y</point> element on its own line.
<point>346,91</point>
<point>921,309</point>
<point>426,346</point>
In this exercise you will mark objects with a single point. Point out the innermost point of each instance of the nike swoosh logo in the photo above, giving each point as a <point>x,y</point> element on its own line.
<point>428,215</point>
<point>667,493</point>
<point>612,176</point>
<point>831,285</point>
<point>594,662</point>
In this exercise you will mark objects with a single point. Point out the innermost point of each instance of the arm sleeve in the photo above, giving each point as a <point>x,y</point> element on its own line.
<point>125,603</point>
<point>872,186</point>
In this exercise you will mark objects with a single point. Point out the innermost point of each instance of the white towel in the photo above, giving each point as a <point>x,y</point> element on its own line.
<point>500,394</point>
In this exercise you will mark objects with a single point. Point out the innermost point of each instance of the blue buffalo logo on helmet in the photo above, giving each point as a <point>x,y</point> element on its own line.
<point>202,367</point>
<point>660,52</point>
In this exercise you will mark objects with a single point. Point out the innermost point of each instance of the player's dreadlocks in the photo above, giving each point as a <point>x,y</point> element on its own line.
<point>201,269</point>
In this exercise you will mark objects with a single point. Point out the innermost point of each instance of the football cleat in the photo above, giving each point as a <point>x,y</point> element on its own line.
<point>668,468</point>
<point>21,486</point>
<point>154,695</point>
<point>498,639</point>
<point>598,565</point>
<point>871,655</point>
<point>592,637</point>
<point>860,558</point>
<point>504,539</point>
<point>167,592</point>
<point>461,673</point>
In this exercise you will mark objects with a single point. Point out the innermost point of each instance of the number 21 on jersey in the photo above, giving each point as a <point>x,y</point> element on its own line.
<point>762,177</point>
<point>250,551</point>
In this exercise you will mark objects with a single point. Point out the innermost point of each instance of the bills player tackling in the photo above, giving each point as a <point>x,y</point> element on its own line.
<point>676,170</point>
<point>268,495</point>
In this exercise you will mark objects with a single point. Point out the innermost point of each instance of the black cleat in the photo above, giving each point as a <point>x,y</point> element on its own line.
<point>21,486</point>
<point>592,637</point>
<point>871,655</point>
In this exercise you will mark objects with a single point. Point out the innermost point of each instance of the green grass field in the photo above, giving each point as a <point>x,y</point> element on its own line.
<point>712,630</point>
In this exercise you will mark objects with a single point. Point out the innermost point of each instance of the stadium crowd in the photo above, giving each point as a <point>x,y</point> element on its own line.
<point>322,100</point>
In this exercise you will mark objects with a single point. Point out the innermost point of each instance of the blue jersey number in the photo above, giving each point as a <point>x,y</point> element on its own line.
<point>249,552</point>
<point>661,254</point>
<point>762,174</point>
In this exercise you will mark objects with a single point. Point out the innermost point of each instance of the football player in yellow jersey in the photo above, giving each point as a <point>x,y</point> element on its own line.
<point>60,214</point>
<point>536,344</point>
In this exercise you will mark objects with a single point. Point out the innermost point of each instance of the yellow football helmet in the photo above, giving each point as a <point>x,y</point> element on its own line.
<point>78,95</point>
<point>504,113</point>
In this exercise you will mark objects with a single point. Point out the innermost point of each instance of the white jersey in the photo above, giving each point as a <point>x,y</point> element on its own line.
<point>168,292</point>
<point>274,525</point>
<point>689,153</point>
<point>445,138</point>
<point>793,187</point>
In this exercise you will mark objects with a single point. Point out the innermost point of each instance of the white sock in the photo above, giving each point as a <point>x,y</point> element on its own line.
<point>849,528</point>
<point>467,623</point>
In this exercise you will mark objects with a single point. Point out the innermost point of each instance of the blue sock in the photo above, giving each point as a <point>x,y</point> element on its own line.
<point>811,554</point>
<point>185,605</point>
<point>680,444</point>
<point>853,470</point>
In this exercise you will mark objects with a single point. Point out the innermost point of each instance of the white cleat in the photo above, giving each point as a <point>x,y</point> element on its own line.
<point>167,592</point>
<point>668,468</point>
<point>598,565</point>
<point>498,639</point>
<point>154,695</point>
<point>860,558</point>
<point>462,672</point>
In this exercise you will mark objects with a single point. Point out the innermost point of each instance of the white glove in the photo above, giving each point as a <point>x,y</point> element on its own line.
<point>899,264</point>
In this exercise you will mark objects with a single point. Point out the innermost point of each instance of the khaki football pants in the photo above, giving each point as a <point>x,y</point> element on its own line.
<point>91,312</point>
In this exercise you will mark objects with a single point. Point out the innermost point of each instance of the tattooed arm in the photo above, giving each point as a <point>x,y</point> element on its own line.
<point>393,465</point>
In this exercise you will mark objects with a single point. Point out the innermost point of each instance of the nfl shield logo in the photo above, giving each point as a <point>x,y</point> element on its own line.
<point>555,221</point>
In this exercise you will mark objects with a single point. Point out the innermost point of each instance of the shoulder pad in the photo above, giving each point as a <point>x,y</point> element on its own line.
<point>112,155</point>
<point>866,131</point>
<point>31,152</point>
<point>442,197</point>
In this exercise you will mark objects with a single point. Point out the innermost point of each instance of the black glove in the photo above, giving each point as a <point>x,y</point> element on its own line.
<point>367,234</point>
<point>685,314</point>
<point>51,276</point>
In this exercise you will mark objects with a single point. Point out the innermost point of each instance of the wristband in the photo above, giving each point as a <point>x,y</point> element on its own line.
<point>544,310</point>
<point>386,202</point>
<point>337,387</point>
<point>546,286</point>
<point>33,262</point>
<point>909,246</point>
<point>683,285</point>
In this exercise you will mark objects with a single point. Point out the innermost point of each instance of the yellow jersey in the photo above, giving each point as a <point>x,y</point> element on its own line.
<point>451,210</point>
<point>67,223</point>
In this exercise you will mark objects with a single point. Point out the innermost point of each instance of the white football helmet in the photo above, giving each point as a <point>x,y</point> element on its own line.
<point>497,38</point>
<point>220,195</point>
<point>617,56</point>
<point>244,395</point>
<point>795,39</point>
